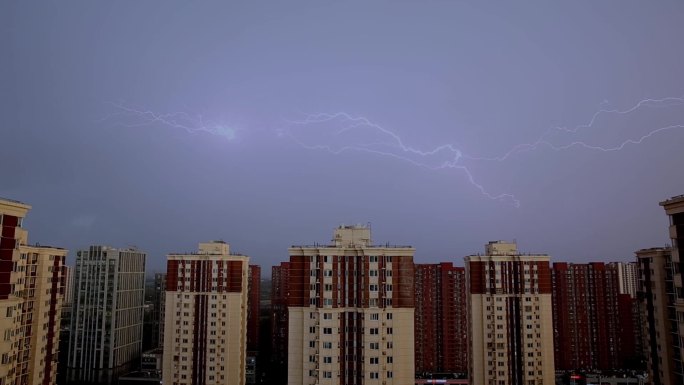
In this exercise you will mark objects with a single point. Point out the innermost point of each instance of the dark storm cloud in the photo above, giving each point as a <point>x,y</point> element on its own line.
<point>483,78</point>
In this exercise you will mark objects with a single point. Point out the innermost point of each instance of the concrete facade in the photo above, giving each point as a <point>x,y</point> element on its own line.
<point>32,287</point>
<point>586,316</point>
<point>510,317</point>
<point>107,318</point>
<point>441,319</point>
<point>205,321</point>
<point>351,312</point>
<point>674,208</point>
<point>655,288</point>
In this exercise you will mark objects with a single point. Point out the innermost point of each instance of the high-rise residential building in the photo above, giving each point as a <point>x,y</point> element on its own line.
<point>674,208</point>
<point>627,277</point>
<point>656,295</point>
<point>31,297</point>
<point>107,319</point>
<point>441,322</point>
<point>351,312</point>
<point>254,299</point>
<point>41,312</point>
<point>158,309</point>
<point>68,285</point>
<point>586,316</point>
<point>205,331</point>
<point>510,322</point>
<point>253,305</point>
<point>280,276</point>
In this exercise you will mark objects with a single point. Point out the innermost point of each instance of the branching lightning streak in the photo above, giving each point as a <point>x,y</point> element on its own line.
<point>137,118</point>
<point>541,141</point>
<point>392,145</point>
<point>340,132</point>
<point>394,142</point>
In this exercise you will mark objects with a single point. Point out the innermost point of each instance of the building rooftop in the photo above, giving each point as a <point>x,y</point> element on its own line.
<point>332,246</point>
<point>673,200</point>
<point>39,246</point>
<point>13,201</point>
<point>654,249</point>
<point>234,254</point>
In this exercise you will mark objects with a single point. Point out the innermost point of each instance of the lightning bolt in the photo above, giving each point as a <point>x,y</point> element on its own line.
<point>341,132</point>
<point>543,142</point>
<point>132,117</point>
<point>382,141</point>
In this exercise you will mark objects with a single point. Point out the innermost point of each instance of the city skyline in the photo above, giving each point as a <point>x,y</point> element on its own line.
<point>341,284</point>
<point>444,125</point>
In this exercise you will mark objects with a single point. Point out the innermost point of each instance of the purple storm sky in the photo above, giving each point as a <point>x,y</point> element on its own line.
<point>161,124</point>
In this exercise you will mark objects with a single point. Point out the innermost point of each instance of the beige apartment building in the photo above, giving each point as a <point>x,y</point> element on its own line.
<point>511,324</point>
<point>351,312</point>
<point>655,291</point>
<point>205,319</point>
<point>674,208</point>
<point>31,295</point>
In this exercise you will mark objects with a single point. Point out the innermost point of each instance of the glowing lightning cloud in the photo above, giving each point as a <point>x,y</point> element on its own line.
<point>131,117</point>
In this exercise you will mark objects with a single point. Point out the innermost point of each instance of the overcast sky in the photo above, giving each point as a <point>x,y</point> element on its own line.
<point>162,124</point>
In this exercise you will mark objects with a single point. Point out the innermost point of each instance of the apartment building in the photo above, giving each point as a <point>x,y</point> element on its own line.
<point>586,316</point>
<point>441,321</point>
<point>280,276</point>
<point>32,289</point>
<point>205,321</point>
<point>656,294</point>
<point>510,321</point>
<point>351,312</point>
<point>158,309</point>
<point>674,208</point>
<point>107,319</point>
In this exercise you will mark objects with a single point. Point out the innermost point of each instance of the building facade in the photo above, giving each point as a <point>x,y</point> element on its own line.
<point>628,277</point>
<point>107,318</point>
<point>205,332</point>
<point>280,276</point>
<point>510,321</point>
<point>32,286</point>
<point>674,208</point>
<point>441,321</point>
<point>158,309</point>
<point>351,312</point>
<point>656,293</point>
<point>254,293</point>
<point>586,319</point>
